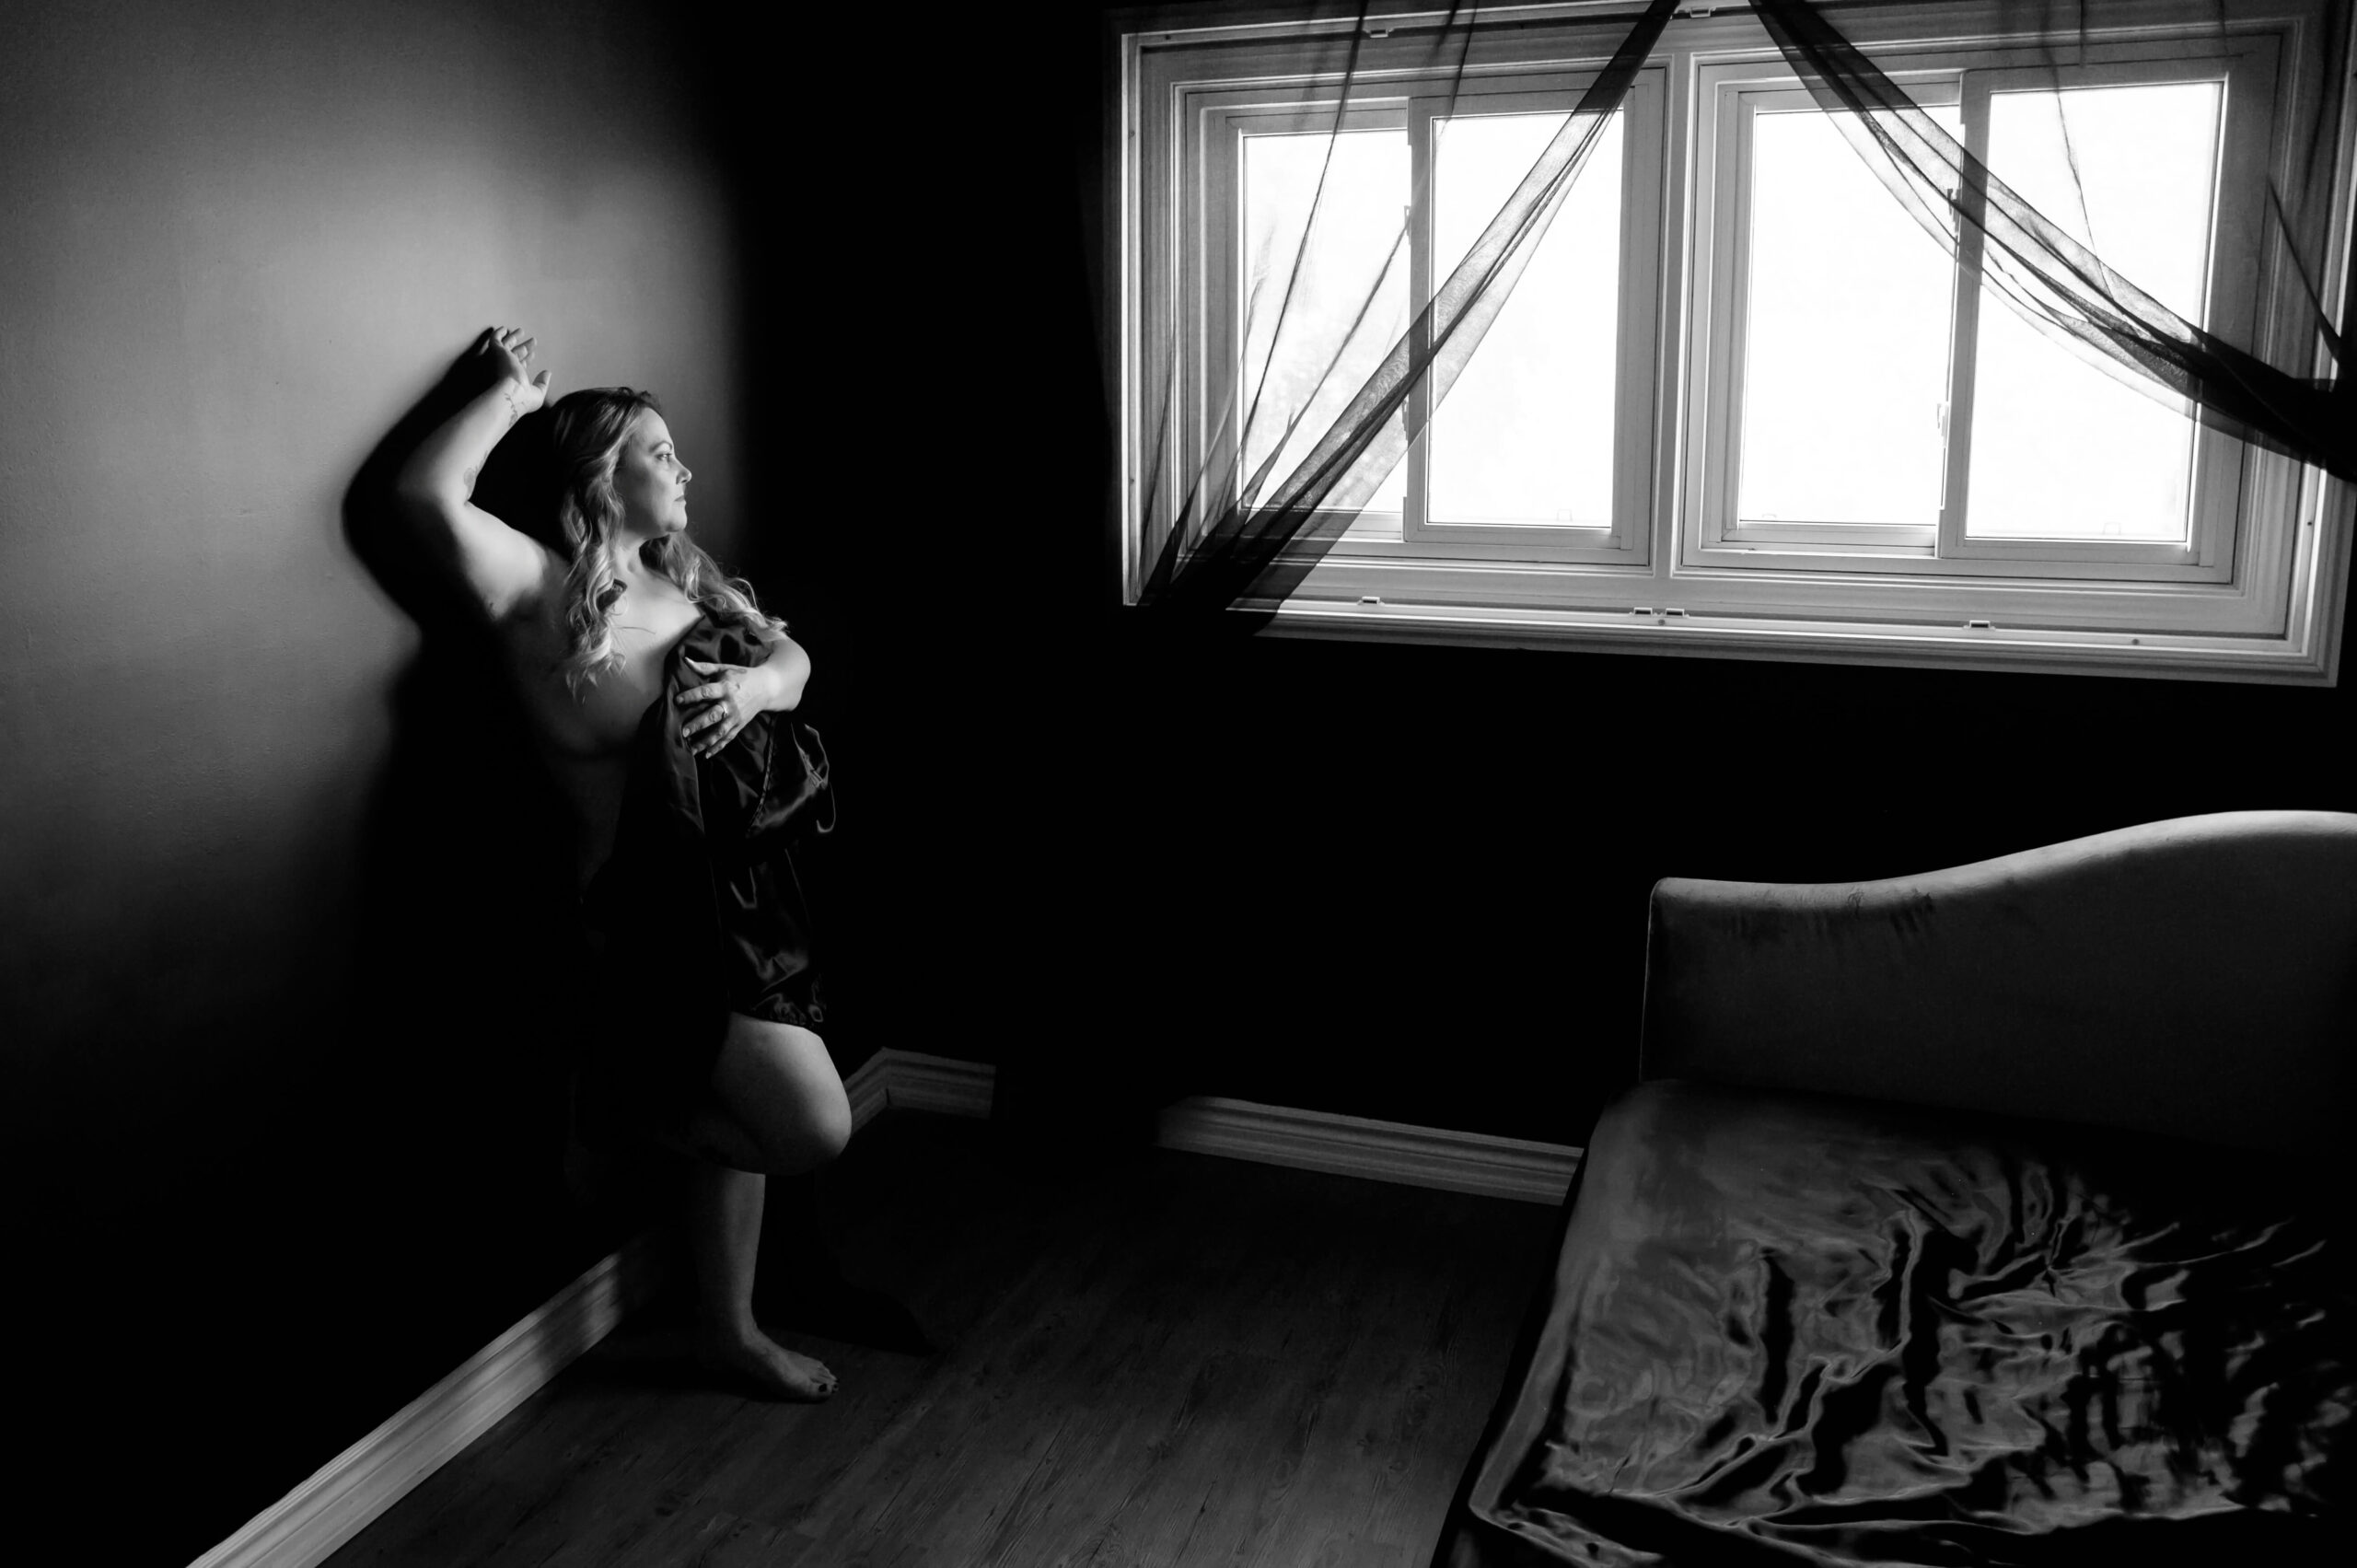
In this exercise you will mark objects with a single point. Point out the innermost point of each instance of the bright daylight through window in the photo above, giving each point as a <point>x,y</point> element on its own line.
<point>1745,391</point>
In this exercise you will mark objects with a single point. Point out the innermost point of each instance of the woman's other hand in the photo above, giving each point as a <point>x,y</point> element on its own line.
<point>509,352</point>
<point>731,694</point>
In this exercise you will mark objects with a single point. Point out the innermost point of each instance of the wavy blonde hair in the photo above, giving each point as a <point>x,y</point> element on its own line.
<point>586,430</point>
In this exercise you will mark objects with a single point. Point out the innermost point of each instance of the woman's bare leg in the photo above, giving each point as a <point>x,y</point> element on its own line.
<point>777,1082</point>
<point>777,1108</point>
<point>775,1105</point>
<point>725,1237</point>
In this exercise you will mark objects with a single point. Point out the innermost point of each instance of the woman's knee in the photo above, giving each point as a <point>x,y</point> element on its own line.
<point>779,1082</point>
<point>824,1125</point>
<point>830,1127</point>
<point>815,1131</point>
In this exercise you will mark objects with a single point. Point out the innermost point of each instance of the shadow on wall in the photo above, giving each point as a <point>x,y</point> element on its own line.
<point>278,1035</point>
<point>465,933</point>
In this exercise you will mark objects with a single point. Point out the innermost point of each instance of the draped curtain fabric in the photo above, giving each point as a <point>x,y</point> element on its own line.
<point>1263,548</point>
<point>1246,540</point>
<point>2058,285</point>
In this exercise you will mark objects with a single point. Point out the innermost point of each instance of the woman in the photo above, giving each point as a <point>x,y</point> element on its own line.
<point>586,633</point>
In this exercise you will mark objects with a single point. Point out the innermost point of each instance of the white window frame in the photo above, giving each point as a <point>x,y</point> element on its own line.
<point>1211,265</point>
<point>1736,95</point>
<point>2256,594</point>
<point>2047,569</point>
<point>1627,541</point>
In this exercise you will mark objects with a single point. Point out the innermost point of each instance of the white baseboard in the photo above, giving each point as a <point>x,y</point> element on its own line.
<point>309,1523</point>
<point>869,1088</point>
<point>1382,1151</point>
<point>306,1526</point>
<point>1480,1163</point>
<point>940,1083</point>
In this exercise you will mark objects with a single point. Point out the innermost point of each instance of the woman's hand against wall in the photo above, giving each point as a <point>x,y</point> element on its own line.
<point>509,352</point>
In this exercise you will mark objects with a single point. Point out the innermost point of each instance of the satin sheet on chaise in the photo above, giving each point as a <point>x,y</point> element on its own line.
<point>1795,1330</point>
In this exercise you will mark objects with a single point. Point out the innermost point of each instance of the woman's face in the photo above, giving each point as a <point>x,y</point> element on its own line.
<point>650,480</point>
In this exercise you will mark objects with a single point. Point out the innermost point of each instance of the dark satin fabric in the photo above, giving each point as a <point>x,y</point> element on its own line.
<point>699,912</point>
<point>1805,1330</point>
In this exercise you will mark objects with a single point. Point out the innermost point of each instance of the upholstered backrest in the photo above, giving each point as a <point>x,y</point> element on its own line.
<point>2195,977</point>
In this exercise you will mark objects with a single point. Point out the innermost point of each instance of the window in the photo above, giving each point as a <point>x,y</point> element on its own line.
<point>1538,451</point>
<point>1739,402</point>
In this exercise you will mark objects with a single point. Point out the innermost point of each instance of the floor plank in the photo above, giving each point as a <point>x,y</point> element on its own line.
<point>1179,1360</point>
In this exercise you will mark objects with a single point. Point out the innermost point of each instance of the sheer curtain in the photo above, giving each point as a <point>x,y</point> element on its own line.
<point>1239,542</point>
<point>2060,288</point>
<point>1262,539</point>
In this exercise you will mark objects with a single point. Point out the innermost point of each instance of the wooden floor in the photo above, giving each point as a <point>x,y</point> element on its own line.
<point>1181,1360</point>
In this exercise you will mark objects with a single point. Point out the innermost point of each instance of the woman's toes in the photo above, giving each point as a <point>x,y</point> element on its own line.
<point>777,1373</point>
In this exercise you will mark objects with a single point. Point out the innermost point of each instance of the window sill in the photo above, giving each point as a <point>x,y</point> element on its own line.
<point>2306,660</point>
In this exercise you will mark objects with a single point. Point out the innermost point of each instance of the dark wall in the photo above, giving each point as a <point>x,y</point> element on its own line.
<point>277,1056</point>
<point>1402,882</point>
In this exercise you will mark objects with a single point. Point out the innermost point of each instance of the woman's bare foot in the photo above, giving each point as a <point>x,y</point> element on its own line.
<point>751,1356</point>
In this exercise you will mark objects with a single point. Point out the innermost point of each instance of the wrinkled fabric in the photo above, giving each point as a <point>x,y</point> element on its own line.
<point>699,908</point>
<point>1794,1330</point>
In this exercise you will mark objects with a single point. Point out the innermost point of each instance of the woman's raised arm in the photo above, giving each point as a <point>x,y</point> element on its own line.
<point>502,570</point>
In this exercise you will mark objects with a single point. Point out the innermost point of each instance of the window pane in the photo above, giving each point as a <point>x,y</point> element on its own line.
<point>1320,342</point>
<point>2060,449</point>
<point>1524,435</point>
<point>1846,345</point>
